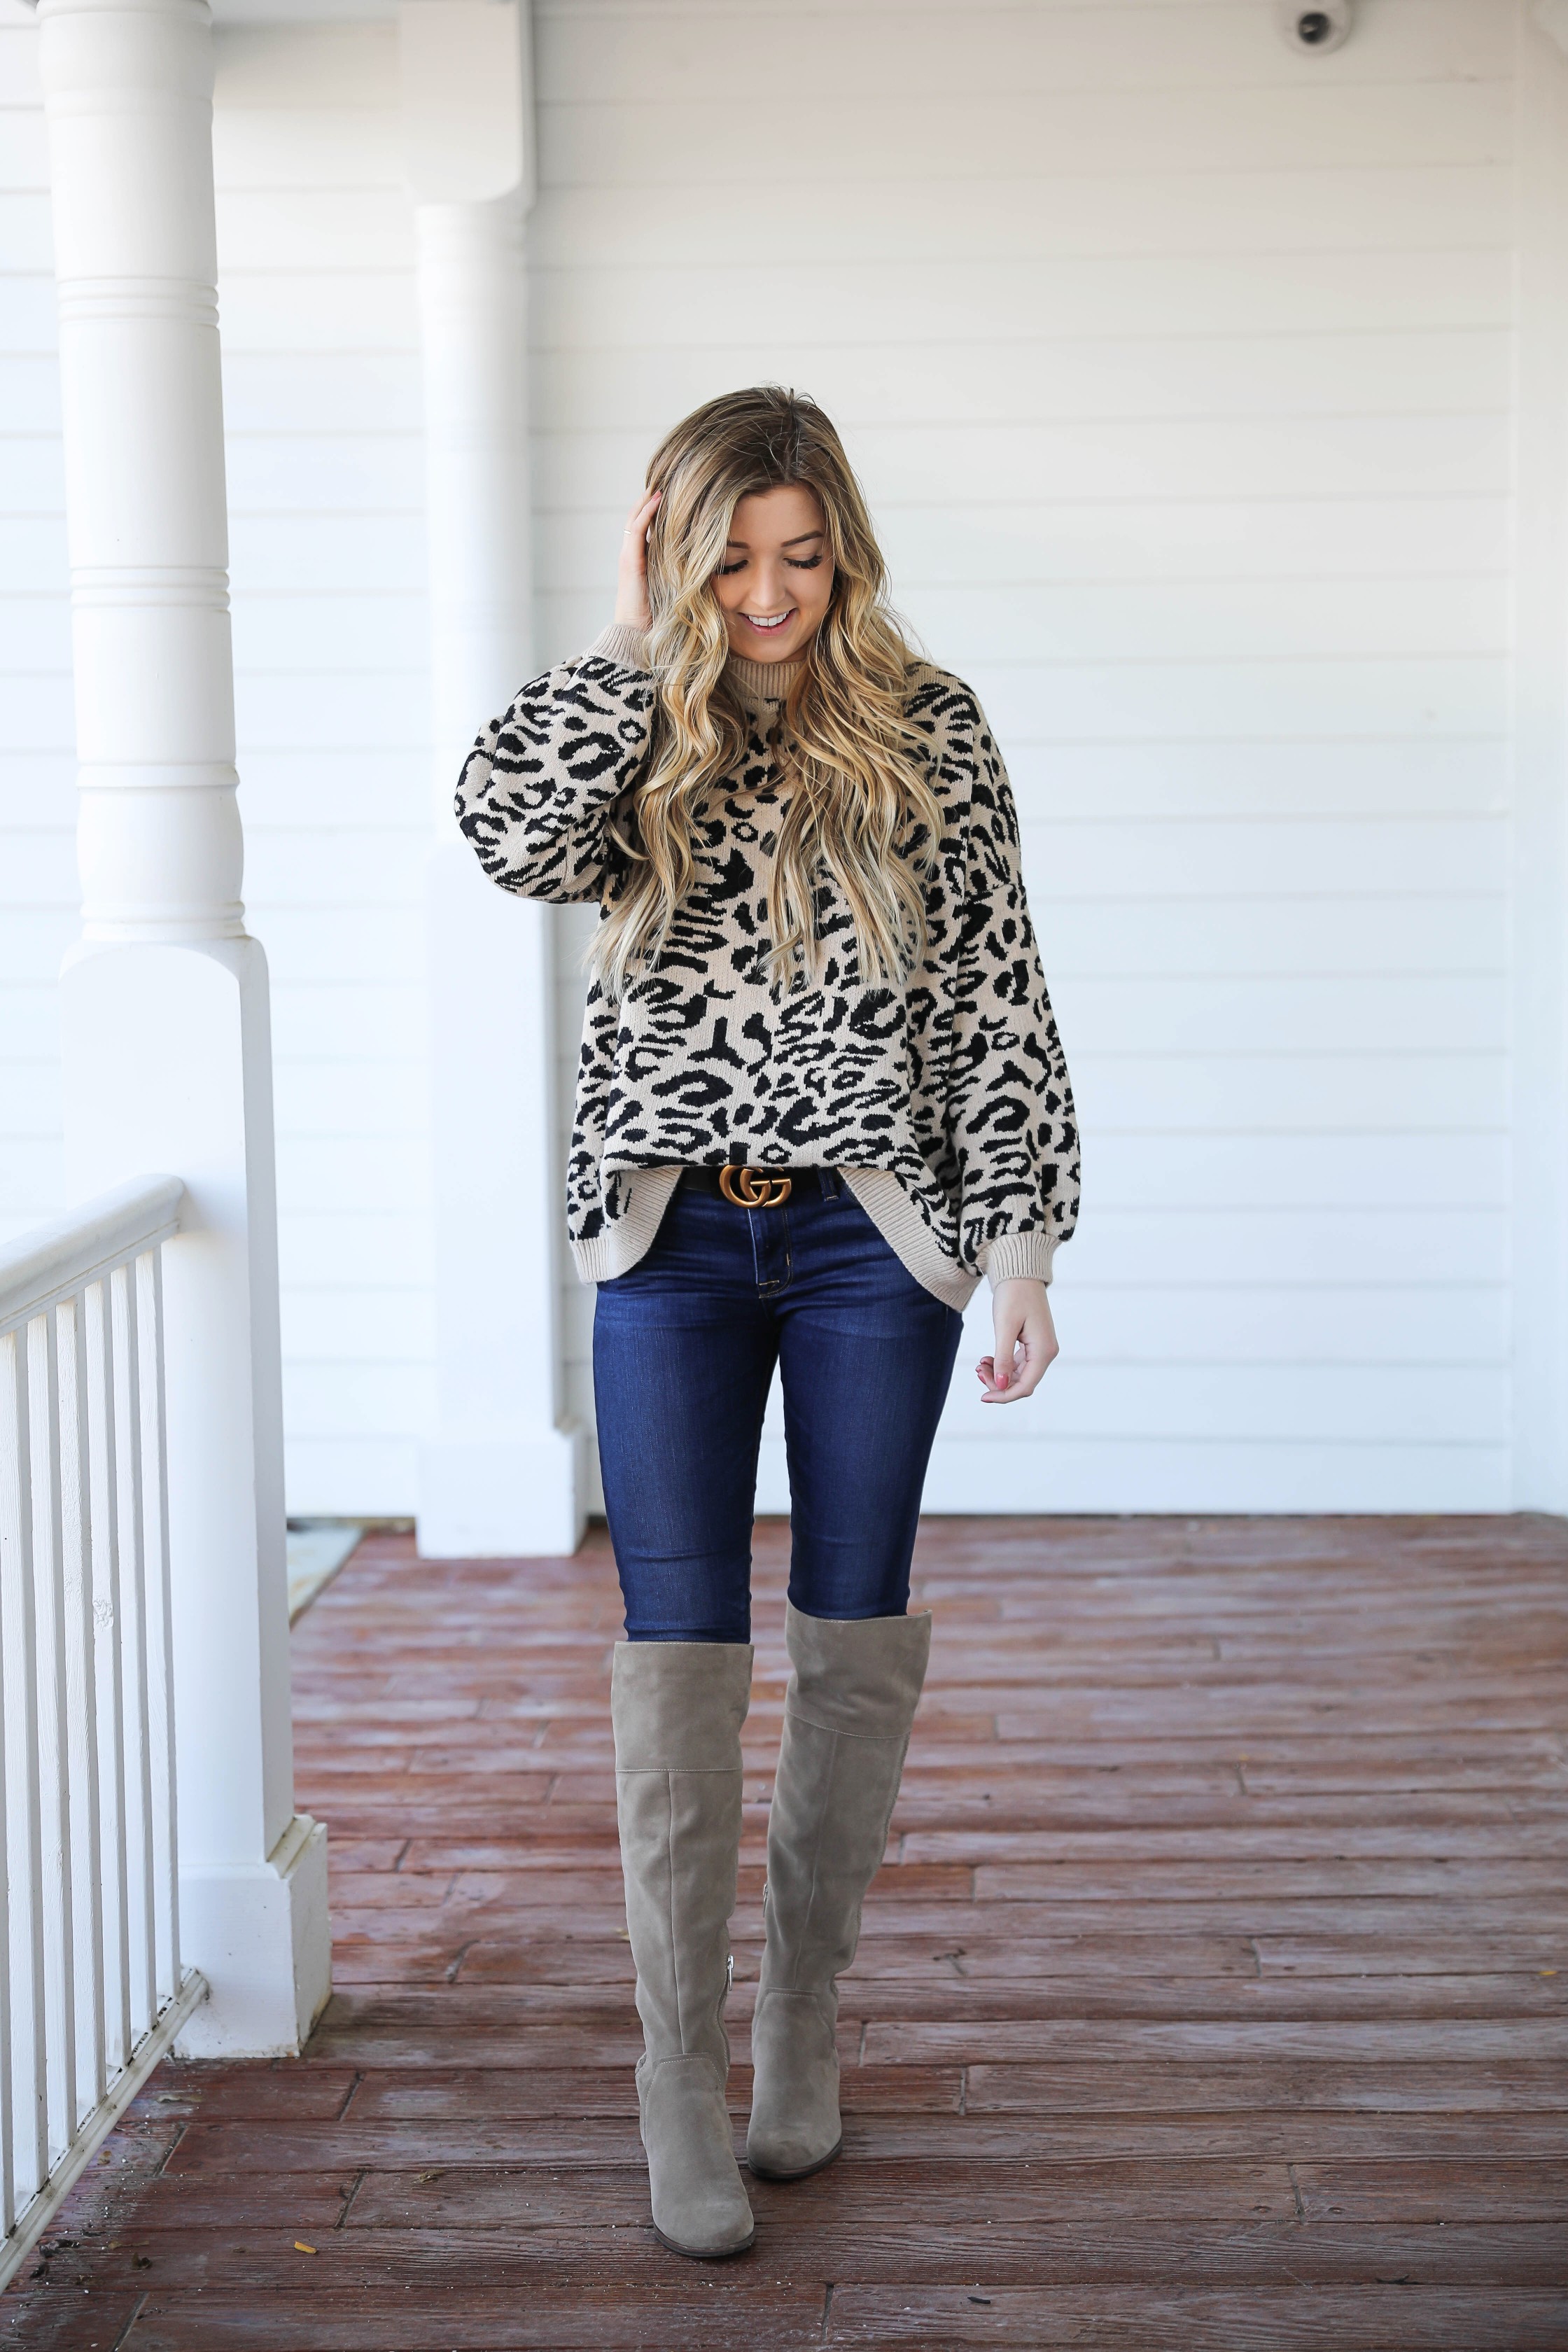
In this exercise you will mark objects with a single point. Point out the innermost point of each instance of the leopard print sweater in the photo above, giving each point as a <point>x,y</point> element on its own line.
<point>945,1102</point>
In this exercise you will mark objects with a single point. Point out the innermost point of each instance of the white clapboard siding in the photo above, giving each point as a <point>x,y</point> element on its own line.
<point>1356,1091</point>
<point>1025,543</point>
<point>1320,121</point>
<point>326,490</point>
<point>1178,369</point>
<point>1029,216</point>
<point>1075,621</point>
<point>692,53</point>
<point>1043,302</point>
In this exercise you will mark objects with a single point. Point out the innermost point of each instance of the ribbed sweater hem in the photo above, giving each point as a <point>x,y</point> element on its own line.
<point>905,1231</point>
<point>618,1248</point>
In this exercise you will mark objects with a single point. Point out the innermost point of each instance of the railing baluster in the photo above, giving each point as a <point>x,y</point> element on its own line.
<point>65,2104</point>
<point>161,1634</point>
<point>141,1711</point>
<point>9,1551</point>
<point>110,1617</point>
<point>34,2123</point>
<point>81,1699</point>
<point>107,1467</point>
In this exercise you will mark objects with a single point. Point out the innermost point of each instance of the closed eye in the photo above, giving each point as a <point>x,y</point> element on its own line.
<point>795,563</point>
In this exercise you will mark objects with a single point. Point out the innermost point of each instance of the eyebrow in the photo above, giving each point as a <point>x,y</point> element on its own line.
<point>799,541</point>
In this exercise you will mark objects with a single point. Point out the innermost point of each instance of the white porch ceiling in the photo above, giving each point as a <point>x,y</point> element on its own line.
<point>257,12</point>
<point>302,11</point>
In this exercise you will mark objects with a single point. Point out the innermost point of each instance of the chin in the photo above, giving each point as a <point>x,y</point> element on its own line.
<point>788,645</point>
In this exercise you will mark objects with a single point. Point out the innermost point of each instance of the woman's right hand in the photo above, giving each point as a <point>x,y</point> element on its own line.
<point>631,587</point>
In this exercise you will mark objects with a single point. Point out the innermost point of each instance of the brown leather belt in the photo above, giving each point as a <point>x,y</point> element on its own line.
<point>750,1187</point>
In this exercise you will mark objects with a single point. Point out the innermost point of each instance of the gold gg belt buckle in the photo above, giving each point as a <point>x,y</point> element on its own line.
<point>753,1188</point>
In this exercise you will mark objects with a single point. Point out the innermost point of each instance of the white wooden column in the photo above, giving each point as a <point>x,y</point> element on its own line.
<point>164,1003</point>
<point>500,1473</point>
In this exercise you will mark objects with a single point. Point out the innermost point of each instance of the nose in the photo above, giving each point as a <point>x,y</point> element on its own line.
<point>770,591</point>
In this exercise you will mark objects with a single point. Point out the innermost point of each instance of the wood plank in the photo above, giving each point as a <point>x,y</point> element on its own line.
<point>233,2093</point>
<point>1070,1882</point>
<point>1002,2041</point>
<point>1208,2086</point>
<point>943,1995</point>
<point>1043,2251</point>
<point>572,2318</point>
<point>996,2191</point>
<point>1396,2190</point>
<point>1373,1920</point>
<point>968,1954</point>
<point>871,2139</point>
<point>1224,1841</point>
<point>307,2201</point>
<point>54,2319</point>
<point>1297,2319</point>
<point>512,2092</point>
<point>1373,1917</point>
<point>1543,1954</point>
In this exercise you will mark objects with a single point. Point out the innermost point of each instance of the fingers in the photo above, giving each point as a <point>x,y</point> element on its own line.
<point>1012,1383</point>
<point>631,595</point>
<point>1025,1349</point>
<point>1011,1322</point>
<point>1004,1383</point>
<point>1027,1376</point>
<point>1000,1374</point>
<point>639,524</point>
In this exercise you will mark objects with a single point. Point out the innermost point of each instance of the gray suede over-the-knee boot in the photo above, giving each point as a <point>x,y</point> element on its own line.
<point>677,1709</point>
<point>847,1712</point>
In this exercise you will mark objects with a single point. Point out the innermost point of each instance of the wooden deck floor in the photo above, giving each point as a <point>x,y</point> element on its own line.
<point>1214,1993</point>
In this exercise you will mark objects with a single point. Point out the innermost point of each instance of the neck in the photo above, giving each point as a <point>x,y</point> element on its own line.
<point>764,681</point>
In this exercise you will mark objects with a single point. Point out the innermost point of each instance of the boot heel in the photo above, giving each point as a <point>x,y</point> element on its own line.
<point>763,2171</point>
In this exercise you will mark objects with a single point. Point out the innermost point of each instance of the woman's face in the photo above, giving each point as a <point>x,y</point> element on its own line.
<point>777,579</point>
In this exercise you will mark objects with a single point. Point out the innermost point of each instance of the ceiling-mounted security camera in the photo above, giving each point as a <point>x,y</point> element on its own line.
<point>1316,28</point>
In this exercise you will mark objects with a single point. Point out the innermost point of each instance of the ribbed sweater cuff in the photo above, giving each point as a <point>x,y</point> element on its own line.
<point>626,648</point>
<point>1013,1258</point>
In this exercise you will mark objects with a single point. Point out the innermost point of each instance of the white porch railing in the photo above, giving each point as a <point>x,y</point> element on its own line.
<point>91,1989</point>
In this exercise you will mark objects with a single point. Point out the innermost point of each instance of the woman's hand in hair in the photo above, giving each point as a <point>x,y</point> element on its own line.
<point>1025,1342</point>
<point>631,589</point>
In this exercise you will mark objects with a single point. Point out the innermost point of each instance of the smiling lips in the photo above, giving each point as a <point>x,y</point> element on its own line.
<point>776,621</point>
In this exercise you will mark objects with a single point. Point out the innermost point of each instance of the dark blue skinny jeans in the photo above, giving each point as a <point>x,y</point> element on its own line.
<point>684,1348</point>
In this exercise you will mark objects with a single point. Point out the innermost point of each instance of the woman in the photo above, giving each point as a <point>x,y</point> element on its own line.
<point>820,1097</point>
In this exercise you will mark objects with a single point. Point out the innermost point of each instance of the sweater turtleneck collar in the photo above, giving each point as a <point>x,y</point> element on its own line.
<point>763,681</point>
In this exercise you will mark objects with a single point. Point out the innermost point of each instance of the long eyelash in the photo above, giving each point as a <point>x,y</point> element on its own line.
<point>795,563</point>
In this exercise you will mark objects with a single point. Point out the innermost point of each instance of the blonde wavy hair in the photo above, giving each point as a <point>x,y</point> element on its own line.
<point>861,810</point>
